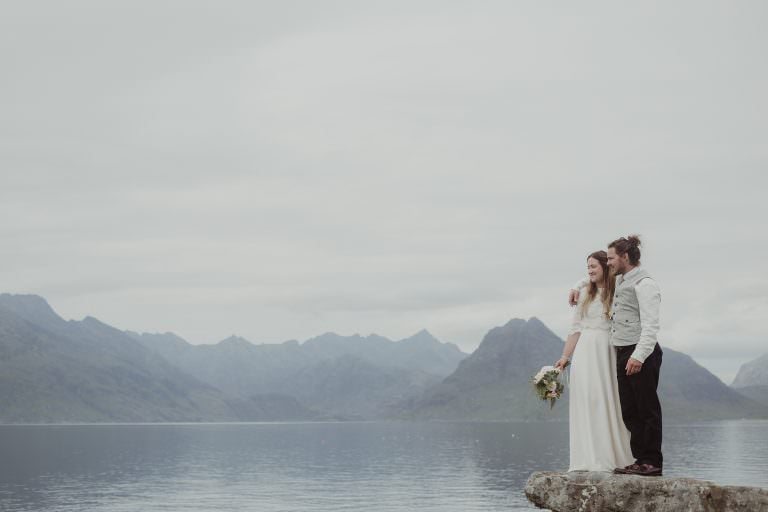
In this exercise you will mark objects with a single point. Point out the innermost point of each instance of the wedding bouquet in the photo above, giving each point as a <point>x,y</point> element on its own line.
<point>547,385</point>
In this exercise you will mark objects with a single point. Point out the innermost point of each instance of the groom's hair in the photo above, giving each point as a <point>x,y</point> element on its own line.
<point>629,245</point>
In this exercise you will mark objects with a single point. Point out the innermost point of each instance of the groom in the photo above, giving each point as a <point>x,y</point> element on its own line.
<point>634,325</point>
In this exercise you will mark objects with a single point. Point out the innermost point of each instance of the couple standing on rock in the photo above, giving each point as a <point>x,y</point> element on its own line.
<point>615,414</point>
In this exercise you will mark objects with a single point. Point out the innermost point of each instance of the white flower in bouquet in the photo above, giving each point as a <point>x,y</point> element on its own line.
<point>547,386</point>
<point>544,370</point>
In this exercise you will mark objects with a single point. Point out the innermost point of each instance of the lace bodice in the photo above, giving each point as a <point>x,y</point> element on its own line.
<point>594,317</point>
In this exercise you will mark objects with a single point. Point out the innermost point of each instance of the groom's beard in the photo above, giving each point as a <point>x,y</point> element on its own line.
<point>620,271</point>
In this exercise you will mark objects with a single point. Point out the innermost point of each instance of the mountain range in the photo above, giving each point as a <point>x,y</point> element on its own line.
<point>342,377</point>
<point>481,387</point>
<point>54,370</point>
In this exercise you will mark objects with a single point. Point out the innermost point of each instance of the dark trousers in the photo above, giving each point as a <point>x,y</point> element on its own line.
<point>640,407</point>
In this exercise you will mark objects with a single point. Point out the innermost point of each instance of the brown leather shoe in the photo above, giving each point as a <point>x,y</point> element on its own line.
<point>645,470</point>
<point>627,469</point>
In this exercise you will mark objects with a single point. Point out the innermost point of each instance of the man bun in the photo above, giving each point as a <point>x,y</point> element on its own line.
<point>630,246</point>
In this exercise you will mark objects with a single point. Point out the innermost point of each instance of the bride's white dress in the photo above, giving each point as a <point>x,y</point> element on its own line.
<point>599,440</point>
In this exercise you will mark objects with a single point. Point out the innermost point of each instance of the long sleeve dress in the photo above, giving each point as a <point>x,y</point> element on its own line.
<point>599,441</point>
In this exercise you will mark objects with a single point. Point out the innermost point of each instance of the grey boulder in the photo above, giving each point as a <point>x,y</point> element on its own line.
<point>584,491</point>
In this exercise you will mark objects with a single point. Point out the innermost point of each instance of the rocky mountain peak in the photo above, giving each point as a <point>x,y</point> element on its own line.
<point>235,341</point>
<point>32,308</point>
<point>753,373</point>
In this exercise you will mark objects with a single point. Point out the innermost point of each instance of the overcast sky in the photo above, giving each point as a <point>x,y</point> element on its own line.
<point>282,169</point>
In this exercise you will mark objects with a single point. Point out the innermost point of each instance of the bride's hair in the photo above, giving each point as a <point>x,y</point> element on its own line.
<point>609,283</point>
<point>629,245</point>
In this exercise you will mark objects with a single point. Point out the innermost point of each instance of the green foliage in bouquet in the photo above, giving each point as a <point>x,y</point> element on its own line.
<point>547,385</point>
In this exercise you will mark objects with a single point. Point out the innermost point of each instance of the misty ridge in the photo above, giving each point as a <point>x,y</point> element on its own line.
<point>58,371</point>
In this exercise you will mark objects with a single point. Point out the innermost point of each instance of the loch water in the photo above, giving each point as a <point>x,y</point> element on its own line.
<point>323,467</point>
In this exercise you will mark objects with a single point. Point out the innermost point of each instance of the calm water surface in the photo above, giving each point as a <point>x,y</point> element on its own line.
<point>381,466</point>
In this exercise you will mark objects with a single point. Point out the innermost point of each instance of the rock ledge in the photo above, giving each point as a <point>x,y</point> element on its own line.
<point>584,491</point>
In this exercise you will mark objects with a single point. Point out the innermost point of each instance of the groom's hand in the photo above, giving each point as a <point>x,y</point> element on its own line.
<point>573,297</point>
<point>633,366</point>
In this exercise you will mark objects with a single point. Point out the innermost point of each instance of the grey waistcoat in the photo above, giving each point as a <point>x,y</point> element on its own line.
<point>625,311</point>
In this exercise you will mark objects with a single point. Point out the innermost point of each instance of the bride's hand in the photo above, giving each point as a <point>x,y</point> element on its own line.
<point>561,363</point>
<point>573,297</point>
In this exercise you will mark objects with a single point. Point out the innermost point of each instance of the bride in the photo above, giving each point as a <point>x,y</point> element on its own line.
<point>599,441</point>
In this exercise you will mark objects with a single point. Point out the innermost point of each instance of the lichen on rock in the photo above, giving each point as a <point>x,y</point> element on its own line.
<point>585,491</point>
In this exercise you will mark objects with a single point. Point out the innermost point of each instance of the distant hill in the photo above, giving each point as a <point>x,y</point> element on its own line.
<point>343,377</point>
<point>753,373</point>
<point>234,365</point>
<point>493,383</point>
<point>420,352</point>
<point>690,392</point>
<point>52,370</point>
<point>349,387</point>
<point>756,393</point>
<point>752,380</point>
